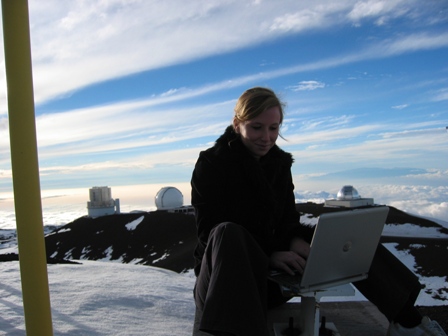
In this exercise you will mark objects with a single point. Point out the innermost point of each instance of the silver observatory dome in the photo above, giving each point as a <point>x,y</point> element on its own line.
<point>169,198</point>
<point>348,192</point>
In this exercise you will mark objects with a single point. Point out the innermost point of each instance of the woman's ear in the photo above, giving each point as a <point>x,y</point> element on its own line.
<point>236,125</point>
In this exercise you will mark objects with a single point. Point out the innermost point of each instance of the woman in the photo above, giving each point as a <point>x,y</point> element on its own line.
<point>243,195</point>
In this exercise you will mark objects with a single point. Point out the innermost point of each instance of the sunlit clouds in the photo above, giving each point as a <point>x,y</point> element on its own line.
<point>129,93</point>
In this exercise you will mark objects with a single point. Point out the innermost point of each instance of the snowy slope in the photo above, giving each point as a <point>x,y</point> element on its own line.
<point>122,293</point>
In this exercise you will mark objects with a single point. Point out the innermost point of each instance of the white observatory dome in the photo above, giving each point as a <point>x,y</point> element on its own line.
<point>169,198</point>
<point>348,192</point>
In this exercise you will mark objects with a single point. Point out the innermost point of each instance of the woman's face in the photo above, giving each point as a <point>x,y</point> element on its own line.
<point>260,133</point>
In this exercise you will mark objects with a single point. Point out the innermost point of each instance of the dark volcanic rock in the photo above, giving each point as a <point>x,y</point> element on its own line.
<point>167,240</point>
<point>161,239</point>
<point>9,257</point>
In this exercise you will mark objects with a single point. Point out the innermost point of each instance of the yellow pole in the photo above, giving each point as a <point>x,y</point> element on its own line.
<point>25,168</point>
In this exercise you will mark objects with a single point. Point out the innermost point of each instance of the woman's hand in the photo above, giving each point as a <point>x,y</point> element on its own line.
<point>287,261</point>
<point>299,246</point>
<point>291,261</point>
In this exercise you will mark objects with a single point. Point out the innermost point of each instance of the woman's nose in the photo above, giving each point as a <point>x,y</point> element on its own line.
<point>265,135</point>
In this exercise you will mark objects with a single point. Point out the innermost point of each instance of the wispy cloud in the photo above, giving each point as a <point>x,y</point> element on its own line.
<point>126,126</point>
<point>400,107</point>
<point>427,132</point>
<point>441,95</point>
<point>366,146</point>
<point>307,85</point>
<point>76,44</point>
<point>135,116</point>
<point>380,11</point>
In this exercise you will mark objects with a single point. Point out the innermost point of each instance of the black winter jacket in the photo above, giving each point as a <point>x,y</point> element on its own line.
<point>229,185</point>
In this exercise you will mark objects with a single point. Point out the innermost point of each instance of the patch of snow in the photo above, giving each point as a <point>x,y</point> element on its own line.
<point>164,256</point>
<point>133,225</point>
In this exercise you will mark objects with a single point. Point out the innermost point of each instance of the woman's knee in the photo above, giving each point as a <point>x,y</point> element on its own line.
<point>229,231</point>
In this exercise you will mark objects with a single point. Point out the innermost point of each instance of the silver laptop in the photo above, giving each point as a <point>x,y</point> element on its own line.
<point>342,250</point>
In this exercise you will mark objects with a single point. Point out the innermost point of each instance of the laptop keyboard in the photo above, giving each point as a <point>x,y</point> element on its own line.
<point>286,279</point>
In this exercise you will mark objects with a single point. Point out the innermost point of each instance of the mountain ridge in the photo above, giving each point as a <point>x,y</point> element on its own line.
<point>167,240</point>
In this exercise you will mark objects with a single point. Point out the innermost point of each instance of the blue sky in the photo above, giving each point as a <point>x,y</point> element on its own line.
<point>128,92</point>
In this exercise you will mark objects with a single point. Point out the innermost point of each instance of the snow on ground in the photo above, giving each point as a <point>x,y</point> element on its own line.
<point>110,298</point>
<point>101,298</point>
<point>432,284</point>
<point>106,298</point>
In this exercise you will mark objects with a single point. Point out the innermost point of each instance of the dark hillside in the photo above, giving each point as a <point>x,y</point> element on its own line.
<point>160,239</point>
<point>395,215</point>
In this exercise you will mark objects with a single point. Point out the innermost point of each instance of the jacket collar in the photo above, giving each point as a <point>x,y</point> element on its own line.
<point>232,140</point>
